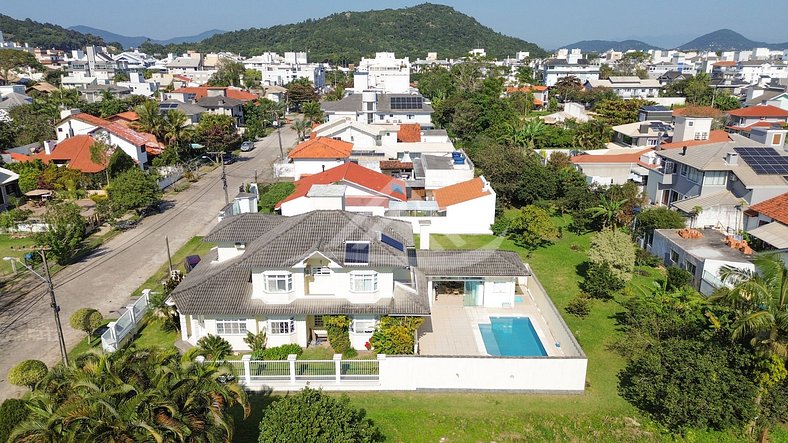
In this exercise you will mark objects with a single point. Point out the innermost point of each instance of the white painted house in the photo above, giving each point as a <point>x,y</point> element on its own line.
<point>385,73</point>
<point>372,107</point>
<point>134,144</point>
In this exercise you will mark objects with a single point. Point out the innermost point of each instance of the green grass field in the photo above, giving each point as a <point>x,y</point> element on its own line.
<point>195,246</point>
<point>13,246</point>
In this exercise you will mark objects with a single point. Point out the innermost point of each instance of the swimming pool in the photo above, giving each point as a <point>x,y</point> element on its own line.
<point>511,337</point>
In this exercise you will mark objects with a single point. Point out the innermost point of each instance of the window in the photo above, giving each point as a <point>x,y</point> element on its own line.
<point>690,123</point>
<point>674,256</point>
<point>318,321</point>
<point>701,136</point>
<point>320,270</point>
<point>651,142</point>
<point>280,327</point>
<point>363,325</point>
<point>363,281</point>
<point>234,326</point>
<point>691,173</point>
<point>411,116</point>
<point>715,178</point>
<point>279,282</point>
<point>689,267</point>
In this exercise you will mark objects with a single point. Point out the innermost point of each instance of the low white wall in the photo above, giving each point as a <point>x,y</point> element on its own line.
<point>483,373</point>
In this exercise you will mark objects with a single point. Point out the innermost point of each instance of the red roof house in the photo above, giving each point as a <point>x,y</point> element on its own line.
<point>74,152</point>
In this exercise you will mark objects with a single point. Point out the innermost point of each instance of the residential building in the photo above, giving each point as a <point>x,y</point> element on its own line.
<point>655,112</point>
<point>96,93</point>
<point>9,187</point>
<point>669,77</point>
<point>743,120</point>
<point>193,112</point>
<point>768,222</point>
<point>222,105</point>
<point>642,134</point>
<point>361,136</point>
<point>317,155</point>
<point>555,69</point>
<point>701,252</point>
<point>571,111</point>
<point>627,87</point>
<point>385,74</point>
<point>377,108</point>
<point>279,70</point>
<point>539,92</point>
<point>93,66</point>
<point>191,94</point>
<point>74,153</point>
<point>616,166</point>
<point>139,86</point>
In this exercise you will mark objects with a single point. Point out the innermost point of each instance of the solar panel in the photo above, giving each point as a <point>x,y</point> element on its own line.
<point>764,160</point>
<point>409,102</point>
<point>357,253</point>
<point>396,244</point>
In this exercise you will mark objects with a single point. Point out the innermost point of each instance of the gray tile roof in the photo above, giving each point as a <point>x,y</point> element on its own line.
<point>186,108</point>
<point>219,102</point>
<point>352,103</point>
<point>471,263</point>
<point>722,198</point>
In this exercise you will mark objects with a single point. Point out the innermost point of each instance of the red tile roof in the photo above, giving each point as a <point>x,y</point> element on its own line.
<point>759,111</point>
<point>352,173</point>
<point>322,147</point>
<point>115,128</point>
<point>749,128</point>
<point>129,116</point>
<point>75,151</point>
<point>21,158</point>
<point>395,164</point>
<point>409,133</point>
<point>460,192</point>
<point>725,63</point>
<point>775,208</point>
<point>715,136</point>
<point>537,88</point>
<point>632,157</point>
<point>202,91</point>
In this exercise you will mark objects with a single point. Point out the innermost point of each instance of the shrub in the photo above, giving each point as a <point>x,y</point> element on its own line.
<point>278,352</point>
<point>11,218</point>
<point>273,194</point>
<point>311,416</point>
<point>395,335</point>
<point>86,320</point>
<point>256,342</point>
<point>644,258</point>
<point>616,249</point>
<point>12,412</point>
<point>214,347</point>
<point>28,373</point>
<point>678,278</point>
<point>600,282</point>
<point>579,306</point>
<point>337,327</point>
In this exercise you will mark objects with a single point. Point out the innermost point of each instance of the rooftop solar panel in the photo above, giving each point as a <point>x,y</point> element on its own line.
<point>396,244</point>
<point>357,253</point>
<point>764,160</point>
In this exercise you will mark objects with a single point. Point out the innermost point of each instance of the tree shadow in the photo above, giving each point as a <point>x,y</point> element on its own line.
<point>582,269</point>
<point>247,430</point>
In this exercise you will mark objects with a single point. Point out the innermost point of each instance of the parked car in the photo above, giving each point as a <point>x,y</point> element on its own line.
<point>247,146</point>
<point>155,208</point>
<point>190,262</point>
<point>124,225</point>
<point>229,159</point>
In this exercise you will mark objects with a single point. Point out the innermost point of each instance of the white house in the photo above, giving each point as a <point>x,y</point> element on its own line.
<point>73,122</point>
<point>280,70</point>
<point>9,186</point>
<point>372,107</point>
<point>385,73</point>
<point>627,87</point>
<point>555,69</point>
<point>317,155</point>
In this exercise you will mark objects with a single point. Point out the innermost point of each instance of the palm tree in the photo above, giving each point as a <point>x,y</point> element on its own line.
<point>593,134</point>
<point>176,130</point>
<point>214,347</point>
<point>312,112</point>
<point>150,118</point>
<point>532,130</point>
<point>610,210</point>
<point>565,86</point>
<point>301,127</point>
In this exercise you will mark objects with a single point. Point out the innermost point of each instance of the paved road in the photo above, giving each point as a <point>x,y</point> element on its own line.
<point>105,279</point>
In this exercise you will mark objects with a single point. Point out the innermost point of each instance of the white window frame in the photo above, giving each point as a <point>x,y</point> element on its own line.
<point>363,325</point>
<point>231,326</point>
<point>715,178</point>
<point>281,326</point>
<point>675,254</point>
<point>287,277</point>
<point>357,276</point>
<point>319,270</point>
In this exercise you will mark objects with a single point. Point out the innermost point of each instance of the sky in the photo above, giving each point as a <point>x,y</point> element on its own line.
<point>664,23</point>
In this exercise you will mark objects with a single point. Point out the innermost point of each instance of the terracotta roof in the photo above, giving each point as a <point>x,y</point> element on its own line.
<point>395,164</point>
<point>632,157</point>
<point>128,116</point>
<point>409,133</point>
<point>21,158</point>
<point>725,63</point>
<point>115,128</point>
<point>775,208</point>
<point>749,128</point>
<point>353,173</point>
<point>460,192</point>
<point>322,147</point>
<point>537,88</point>
<point>76,152</point>
<point>202,91</point>
<point>759,111</point>
<point>715,136</point>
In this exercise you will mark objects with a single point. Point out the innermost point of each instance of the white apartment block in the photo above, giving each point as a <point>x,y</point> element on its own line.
<point>385,73</point>
<point>280,70</point>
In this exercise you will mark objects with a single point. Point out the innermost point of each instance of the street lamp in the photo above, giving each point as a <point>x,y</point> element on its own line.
<point>53,301</point>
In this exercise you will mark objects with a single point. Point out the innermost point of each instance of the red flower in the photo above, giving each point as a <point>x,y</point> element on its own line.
<point>368,345</point>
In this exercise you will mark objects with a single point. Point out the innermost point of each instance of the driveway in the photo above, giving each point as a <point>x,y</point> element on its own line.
<point>105,280</point>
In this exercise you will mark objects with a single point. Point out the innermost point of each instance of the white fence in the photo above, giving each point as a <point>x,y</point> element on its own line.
<point>118,332</point>
<point>410,373</point>
<point>169,175</point>
<point>284,169</point>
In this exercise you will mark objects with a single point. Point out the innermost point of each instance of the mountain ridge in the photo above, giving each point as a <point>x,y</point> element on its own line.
<point>727,39</point>
<point>135,41</point>
<point>616,45</point>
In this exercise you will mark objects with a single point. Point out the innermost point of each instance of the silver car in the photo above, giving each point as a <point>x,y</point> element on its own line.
<point>247,146</point>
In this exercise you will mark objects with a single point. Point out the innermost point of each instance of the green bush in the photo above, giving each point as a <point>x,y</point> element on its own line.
<point>86,320</point>
<point>311,416</point>
<point>28,373</point>
<point>278,352</point>
<point>12,412</point>
<point>579,306</point>
<point>337,327</point>
<point>395,335</point>
<point>273,194</point>
<point>213,347</point>
<point>600,282</point>
<point>678,278</point>
<point>256,342</point>
<point>644,258</point>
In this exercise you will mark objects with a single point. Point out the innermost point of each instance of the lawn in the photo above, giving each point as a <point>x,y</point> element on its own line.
<point>13,246</point>
<point>195,246</point>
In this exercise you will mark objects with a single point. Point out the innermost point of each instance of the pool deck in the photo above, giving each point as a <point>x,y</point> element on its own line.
<point>453,328</point>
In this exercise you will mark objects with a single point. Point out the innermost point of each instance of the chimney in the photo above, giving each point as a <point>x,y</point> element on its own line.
<point>49,145</point>
<point>66,113</point>
<point>424,234</point>
<point>683,150</point>
<point>644,127</point>
<point>732,158</point>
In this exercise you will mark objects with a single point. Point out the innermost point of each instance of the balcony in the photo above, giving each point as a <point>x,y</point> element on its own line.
<point>668,179</point>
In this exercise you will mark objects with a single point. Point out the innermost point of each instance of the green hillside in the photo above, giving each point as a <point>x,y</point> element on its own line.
<point>44,35</point>
<point>346,37</point>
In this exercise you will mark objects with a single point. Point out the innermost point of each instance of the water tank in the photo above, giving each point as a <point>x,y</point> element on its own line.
<point>369,96</point>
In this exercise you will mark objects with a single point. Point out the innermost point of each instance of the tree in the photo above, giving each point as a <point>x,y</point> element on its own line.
<point>395,335</point>
<point>214,347</point>
<point>162,312</point>
<point>312,111</point>
<point>532,228</point>
<point>32,123</point>
<point>300,91</point>
<point>435,82</point>
<point>176,130</point>
<point>616,249</point>
<point>311,416</point>
<point>252,78</point>
<point>256,342</point>
<point>120,77</point>
<point>217,132</point>
<point>567,87</point>
<point>301,128</point>
<point>657,218</point>
<point>601,282</point>
<point>65,231</point>
<point>28,373</point>
<point>726,102</point>
<point>525,75</point>
<point>99,154</point>
<point>677,278</point>
<point>697,90</point>
<point>86,320</point>
<point>13,60</point>
<point>119,162</point>
<point>686,384</point>
<point>13,411</point>
<point>133,189</point>
<point>608,210</point>
<point>228,73</point>
<point>619,111</point>
<point>593,134</point>
<point>150,119</point>
<point>272,194</point>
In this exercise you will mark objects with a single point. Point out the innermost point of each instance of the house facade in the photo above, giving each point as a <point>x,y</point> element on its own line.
<point>133,143</point>
<point>373,107</point>
<point>627,87</point>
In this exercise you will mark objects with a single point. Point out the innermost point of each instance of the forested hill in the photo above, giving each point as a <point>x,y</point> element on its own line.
<point>44,35</point>
<point>346,37</point>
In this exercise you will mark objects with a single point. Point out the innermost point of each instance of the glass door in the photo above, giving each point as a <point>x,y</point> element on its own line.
<point>473,293</point>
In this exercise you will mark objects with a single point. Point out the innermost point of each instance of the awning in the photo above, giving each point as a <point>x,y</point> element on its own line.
<point>774,233</point>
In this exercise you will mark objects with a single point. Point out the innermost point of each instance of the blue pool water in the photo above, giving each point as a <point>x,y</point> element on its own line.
<point>511,337</point>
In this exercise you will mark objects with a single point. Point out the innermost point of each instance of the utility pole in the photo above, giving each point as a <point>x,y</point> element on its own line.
<point>169,257</point>
<point>224,176</point>
<point>55,309</point>
<point>279,135</point>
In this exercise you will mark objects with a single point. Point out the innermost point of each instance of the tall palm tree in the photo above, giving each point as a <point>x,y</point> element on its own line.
<point>760,300</point>
<point>312,112</point>
<point>610,210</point>
<point>566,86</point>
<point>176,130</point>
<point>301,127</point>
<point>150,118</point>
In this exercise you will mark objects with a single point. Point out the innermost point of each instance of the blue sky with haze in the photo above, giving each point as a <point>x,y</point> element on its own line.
<point>549,24</point>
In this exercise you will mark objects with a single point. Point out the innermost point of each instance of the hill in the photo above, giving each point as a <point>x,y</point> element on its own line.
<point>346,37</point>
<point>600,46</point>
<point>136,41</point>
<point>45,35</point>
<point>726,39</point>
